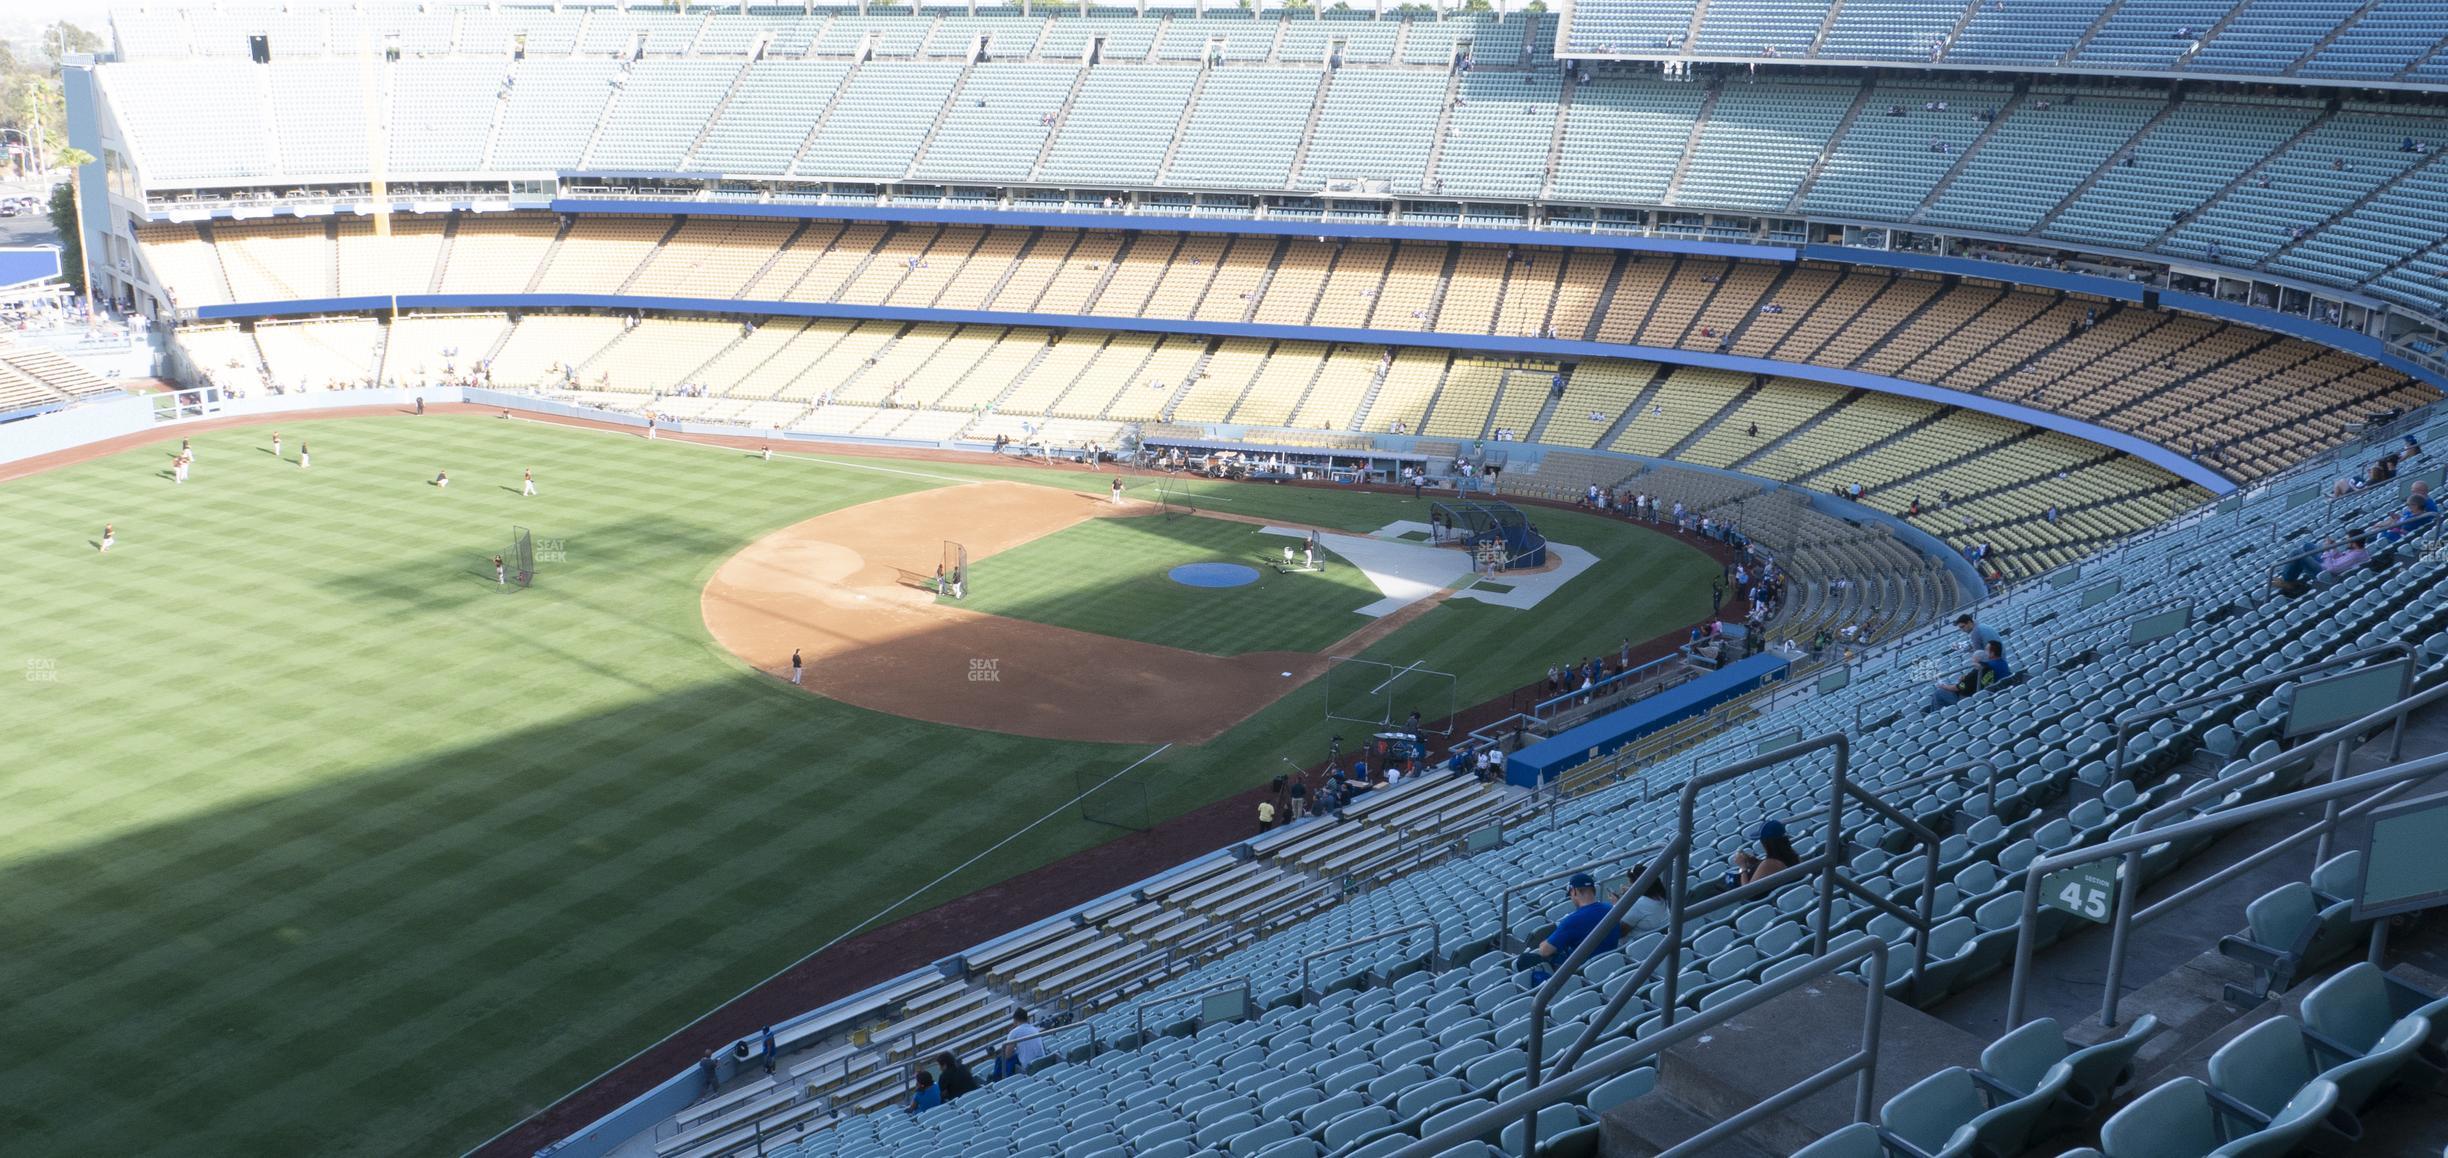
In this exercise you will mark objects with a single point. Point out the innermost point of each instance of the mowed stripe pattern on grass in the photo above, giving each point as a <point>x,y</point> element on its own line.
<point>314,840</point>
<point>1108,576</point>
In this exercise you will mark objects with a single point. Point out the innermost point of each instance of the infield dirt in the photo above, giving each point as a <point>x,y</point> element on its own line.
<point>853,591</point>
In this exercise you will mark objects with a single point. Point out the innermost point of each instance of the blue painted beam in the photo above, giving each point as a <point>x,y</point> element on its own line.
<point>1375,230</point>
<point>1550,348</point>
<point>2006,271</point>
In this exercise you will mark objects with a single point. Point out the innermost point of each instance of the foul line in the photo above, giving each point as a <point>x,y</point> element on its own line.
<point>845,935</point>
<point>685,441</point>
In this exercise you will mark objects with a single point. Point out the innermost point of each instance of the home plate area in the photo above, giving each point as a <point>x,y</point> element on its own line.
<point>1403,563</point>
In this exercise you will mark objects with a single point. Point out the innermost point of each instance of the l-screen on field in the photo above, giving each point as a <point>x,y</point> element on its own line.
<point>298,807</point>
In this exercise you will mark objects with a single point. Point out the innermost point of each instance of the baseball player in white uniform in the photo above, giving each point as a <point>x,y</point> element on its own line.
<point>530,491</point>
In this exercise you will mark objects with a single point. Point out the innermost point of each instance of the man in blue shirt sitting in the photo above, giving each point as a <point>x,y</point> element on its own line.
<point>1576,926</point>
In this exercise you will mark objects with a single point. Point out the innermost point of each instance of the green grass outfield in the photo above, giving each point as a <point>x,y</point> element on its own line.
<point>312,840</point>
<point>1109,576</point>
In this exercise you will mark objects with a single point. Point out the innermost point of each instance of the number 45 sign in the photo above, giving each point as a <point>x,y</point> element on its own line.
<point>2087,891</point>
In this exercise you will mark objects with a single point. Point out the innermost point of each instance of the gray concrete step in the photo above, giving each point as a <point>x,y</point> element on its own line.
<point>1746,1059</point>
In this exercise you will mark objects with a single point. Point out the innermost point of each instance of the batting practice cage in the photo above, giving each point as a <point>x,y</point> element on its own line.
<point>1174,498</point>
<point>1366,691</point>
<point>952,573</point>
<point>1498,534</point>
<point>520,558</point>
<point>1119,798</point>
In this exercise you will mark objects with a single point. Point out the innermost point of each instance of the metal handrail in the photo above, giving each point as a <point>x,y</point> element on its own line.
<point>2431,529</point>
<point>1861,1065</point>
<point>2143,837</point>
<point>2229,691</point>
<point>1504,899</point>
<point>1738,895</point>
<point>2103,625</point>
<point>1950,772</point>
<point>1436,946</point>
<point>1680,908</point>
<point>1139,1012</point>
<point>1605,687</point>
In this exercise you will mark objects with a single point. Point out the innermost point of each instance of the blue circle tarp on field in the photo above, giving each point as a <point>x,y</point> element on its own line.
<point>1213,575</point>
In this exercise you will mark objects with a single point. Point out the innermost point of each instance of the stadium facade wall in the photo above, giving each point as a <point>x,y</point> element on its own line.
<point>1558,348</point>
<point>84,114</point>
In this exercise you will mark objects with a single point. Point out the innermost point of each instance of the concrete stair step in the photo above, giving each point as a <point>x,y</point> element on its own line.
<point>1746,1059</point>
<point>1653,1123</point>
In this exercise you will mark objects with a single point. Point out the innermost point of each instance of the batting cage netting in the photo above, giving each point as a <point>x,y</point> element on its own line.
<point>1174,498</point>
<point>1118,799</point>
<point>1365,691</point>
<point>520,559</point>
<point>1498,535</point>
<point>952,572</point>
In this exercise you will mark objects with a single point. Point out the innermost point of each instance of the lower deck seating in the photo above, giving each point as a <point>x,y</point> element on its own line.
<point>932,382</point>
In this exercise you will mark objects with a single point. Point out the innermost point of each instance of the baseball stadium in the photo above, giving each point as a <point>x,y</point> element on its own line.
<point>624,579</point>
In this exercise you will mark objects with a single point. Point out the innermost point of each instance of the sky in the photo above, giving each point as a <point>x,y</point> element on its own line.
<point>22,21</point>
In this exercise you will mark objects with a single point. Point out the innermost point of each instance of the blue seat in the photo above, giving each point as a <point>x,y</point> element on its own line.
<point>2288,935</point>
<point>2184,1119</point>
<point>1859,1140</point>
<point>2349,1018</point>
<point>1954,1112</point>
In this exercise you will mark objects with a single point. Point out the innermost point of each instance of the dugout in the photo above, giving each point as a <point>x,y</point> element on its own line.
<point>1477,523</point>
<point>1347,460</point>
<point>1540,762</point>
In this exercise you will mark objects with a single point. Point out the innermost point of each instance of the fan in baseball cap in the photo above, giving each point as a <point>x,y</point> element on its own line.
<point>1577,925</point>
